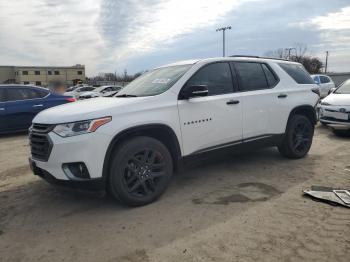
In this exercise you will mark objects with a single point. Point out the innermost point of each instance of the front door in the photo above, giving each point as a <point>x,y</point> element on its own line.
<point>215,120</point>
<point>22,106</point>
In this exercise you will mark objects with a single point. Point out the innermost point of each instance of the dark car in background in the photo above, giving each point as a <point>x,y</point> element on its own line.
<point>19,104</point>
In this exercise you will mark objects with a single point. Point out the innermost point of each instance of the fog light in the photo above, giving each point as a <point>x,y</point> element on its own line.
<point>77,170</point>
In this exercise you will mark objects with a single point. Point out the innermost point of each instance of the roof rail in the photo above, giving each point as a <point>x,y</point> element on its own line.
<point>262,57</point>
<point>252,56</point>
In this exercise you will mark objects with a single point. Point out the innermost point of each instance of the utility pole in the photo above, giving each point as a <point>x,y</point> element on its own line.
<point>223,29</point>
<point>325,68</point>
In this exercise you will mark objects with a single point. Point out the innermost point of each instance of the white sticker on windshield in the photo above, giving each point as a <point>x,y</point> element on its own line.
<point>161,81</point>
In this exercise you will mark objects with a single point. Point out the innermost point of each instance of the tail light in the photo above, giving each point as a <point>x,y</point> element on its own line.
<point>71,99</point>
<point>316,91</point>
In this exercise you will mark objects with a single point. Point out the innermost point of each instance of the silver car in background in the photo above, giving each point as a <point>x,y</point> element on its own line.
<point>335,109</point>
<point>325,84</point>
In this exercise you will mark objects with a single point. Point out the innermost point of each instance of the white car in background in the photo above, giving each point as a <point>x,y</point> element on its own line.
<point>102,91</point>
<point>335,109</point>
<point>76,92</point>
<point>325,83</point>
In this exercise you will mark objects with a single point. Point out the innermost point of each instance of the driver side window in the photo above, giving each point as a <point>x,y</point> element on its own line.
<point>216,77</point>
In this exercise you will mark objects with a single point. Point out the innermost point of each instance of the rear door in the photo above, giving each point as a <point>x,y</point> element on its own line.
<point>215,120</point>
<point>22,106</point>
<point>3,120</point>
<point>259,99</point>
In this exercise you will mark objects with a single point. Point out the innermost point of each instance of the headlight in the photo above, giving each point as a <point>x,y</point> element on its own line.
<point>325,104</point>
<point>81,127</point>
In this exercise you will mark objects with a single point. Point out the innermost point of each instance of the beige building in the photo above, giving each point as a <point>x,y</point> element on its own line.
<point>42,75</point>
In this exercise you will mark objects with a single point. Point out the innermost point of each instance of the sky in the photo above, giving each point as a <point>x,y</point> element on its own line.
<point>113,35</point>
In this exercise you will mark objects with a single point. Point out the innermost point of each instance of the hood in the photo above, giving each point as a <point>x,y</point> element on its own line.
<point>338,99</point>
<point>86,109</point>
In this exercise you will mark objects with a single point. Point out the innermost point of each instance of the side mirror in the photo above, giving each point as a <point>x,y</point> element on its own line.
<point>332,90</point>
<point>194,91</point>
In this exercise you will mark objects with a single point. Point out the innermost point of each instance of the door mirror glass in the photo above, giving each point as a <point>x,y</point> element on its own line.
<point>195,91</point>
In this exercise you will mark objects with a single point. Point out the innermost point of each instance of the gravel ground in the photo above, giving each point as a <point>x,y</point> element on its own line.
<point>245,207</point>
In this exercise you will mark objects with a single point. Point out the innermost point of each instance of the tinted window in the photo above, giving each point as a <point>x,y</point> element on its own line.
<point>217,77</point>
<point>298,73</point>
<point>16,94</point>
<point>2,95</point>
<point>270,77</point>
<point>251,76</point>
<point>324,79</point>
<point>40,93</point>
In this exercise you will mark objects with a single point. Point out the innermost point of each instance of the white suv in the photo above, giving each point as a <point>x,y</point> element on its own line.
<point>130,144</point>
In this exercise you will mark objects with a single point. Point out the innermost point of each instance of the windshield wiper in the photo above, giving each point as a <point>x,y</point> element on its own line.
<point>125,95</point>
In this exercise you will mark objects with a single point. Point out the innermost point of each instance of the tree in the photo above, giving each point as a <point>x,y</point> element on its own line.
<point>299,54</point>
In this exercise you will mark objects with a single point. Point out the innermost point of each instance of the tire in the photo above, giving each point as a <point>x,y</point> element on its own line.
<point>298,138</point>
<point>341,133</point>
<point>141,170</point>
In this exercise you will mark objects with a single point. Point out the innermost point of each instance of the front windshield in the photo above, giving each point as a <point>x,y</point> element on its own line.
<point>344,88</point>
<point>154,82</point>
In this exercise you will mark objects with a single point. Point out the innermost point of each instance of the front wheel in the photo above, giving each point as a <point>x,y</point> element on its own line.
<point>140,172</point>
<point>298,138</point>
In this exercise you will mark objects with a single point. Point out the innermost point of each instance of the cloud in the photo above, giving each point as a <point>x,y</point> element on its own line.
<point>136,28</point>
<point>332,21</point>
<point>55,32</point>
<point>109,35</point>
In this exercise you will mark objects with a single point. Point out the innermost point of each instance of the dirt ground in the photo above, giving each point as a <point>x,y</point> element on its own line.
<point>245,207</point>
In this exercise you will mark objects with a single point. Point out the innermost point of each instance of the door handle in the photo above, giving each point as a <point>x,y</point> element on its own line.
<point>38,105</point>
<point>232,102</point>
<point>282,95</point>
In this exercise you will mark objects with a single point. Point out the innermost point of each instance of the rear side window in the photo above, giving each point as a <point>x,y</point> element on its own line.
<point>2,95</point>
<point>298,73</point>
<point>216,77</point>
<point>324,79</point>
<point>40,93</point>
<point>270,77</point>
<point>251,76</point>
<point>19,94</point>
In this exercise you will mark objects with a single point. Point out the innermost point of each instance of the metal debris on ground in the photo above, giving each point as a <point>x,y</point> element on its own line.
<point>330,195</point>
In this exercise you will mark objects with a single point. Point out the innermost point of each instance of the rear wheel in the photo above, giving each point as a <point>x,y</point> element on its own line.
<point>140,172</point>
<point>298,138</point>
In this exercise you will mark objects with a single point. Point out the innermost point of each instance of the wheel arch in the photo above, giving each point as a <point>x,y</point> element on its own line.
<point>305,110</point>
<point>161,132</point>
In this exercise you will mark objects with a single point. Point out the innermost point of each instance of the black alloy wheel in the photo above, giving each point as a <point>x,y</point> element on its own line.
<point>140,171</point>
<point>297,140</point>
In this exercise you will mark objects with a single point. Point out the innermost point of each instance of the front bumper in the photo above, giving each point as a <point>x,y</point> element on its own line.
<point>337,117</point>
<point>89,149</point>
<point>92,184</point>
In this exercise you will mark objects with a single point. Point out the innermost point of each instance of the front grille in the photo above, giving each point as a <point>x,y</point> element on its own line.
<point>334,119</point>
<point>40,143</point>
